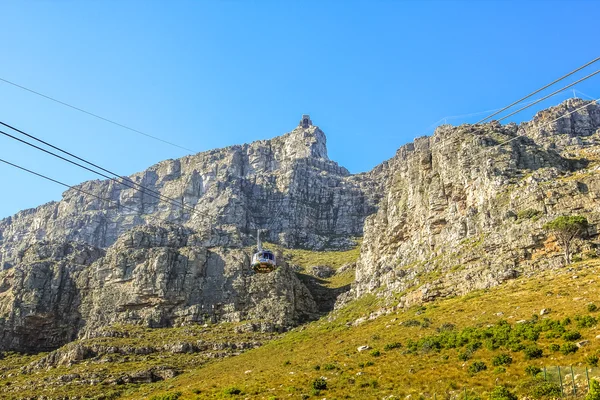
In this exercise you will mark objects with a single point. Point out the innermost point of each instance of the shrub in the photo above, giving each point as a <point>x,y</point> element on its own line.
<point>477,366</point>
<point>592,307</point>
<point>287,362</point>
<point>319,384</point>
<point>502,393</point>
<point>411,322</point>
<point>391,346</point>
<point>472,347</point>
<point>528,214</point>
<point>318,367</point>
<point>539,388</point>
<point>501,359</point>
<point>532,370</point>
<point>167,396</point>
<point>329,367</point>
<point>232,391</point>
<point>446,327</point>
<point>572,336</point>
<point>375,353</point>
<point>532,352</point>
<point>594,392</point>
<point>587,321</point>
<point>555,347</point>
<point>592,360</point>
<point>568,348</point>
<point>464,356</point>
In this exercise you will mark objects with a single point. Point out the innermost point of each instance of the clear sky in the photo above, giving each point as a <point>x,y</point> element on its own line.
<point>373,75</point>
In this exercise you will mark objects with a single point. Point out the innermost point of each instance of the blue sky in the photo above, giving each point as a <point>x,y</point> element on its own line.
<point>373,74</point>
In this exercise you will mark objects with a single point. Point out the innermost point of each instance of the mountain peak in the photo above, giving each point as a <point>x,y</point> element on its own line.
<point>305,141</point>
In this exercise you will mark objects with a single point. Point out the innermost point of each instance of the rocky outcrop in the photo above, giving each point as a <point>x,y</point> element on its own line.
<point>458,211</point>
<point>464,209</point>
<point>40,299</point>
<point>287,185</point>
<point>155,276</point>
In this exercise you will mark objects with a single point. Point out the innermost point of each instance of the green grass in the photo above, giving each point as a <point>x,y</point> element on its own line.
<point>397,370</point>
<point>472,342</point>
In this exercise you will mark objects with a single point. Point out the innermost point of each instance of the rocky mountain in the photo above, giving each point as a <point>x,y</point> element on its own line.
<point>463,209</point>
<point>287,185</point>
<point>457,211</point>
<point>155,276</point>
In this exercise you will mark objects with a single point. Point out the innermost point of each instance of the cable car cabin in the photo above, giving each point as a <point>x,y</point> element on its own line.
<point>264,261</point>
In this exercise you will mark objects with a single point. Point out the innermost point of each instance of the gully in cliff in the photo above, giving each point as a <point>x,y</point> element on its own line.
<point>263,261</point>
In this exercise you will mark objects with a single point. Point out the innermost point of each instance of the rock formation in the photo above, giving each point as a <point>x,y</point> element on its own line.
<point>457,211</point>
<point>464,208</point>
<point>286,184</point>
<point>155,276</point>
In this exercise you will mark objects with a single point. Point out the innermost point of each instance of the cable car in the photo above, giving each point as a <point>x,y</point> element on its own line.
<point>263,261</point>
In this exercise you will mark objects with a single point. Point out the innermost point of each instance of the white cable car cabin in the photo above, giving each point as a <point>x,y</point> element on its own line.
<point>263,261</point>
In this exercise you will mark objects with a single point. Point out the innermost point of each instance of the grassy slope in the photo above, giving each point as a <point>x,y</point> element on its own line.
<point>285,368</point>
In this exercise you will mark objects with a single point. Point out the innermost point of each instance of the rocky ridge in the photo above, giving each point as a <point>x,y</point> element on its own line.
<point>154,276</point>
<point>464,208</point>
<point>458,211</point>
<point>226,195</point>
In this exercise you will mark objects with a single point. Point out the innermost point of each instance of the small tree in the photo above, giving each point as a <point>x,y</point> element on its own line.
<point>567,228</point>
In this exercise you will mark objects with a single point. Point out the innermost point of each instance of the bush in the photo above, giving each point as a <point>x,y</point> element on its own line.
<point>587,321</point>
<point>477,366</point>
<point>329,367</point>
<point>572,336</point>
<point>592,360</point>
<point>532,352</point>
<point>554,347</point>
<point>594,392</point>
<point>568,348</point>
<point>539,388</point>
<point>528,214</point>
<point>502,393</point>
<point>232,391</point>
<point>532,370</point>
<point>446,327</point>
<point>375,353</point>
<point>411,322</point>
<point>502,359</point>
<point>319,384</point>
<point>167,396</point>
<point>391,346</point>
<point>592,307</point>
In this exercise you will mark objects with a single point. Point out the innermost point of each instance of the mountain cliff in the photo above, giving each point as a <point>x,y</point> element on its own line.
<point>464,209</point>
<point>451,213</point>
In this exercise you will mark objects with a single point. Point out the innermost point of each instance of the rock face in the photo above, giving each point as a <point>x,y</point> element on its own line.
<point>286,185</point>
<point>156,276</point>
<point>458,211</point>
<point>464,209</point>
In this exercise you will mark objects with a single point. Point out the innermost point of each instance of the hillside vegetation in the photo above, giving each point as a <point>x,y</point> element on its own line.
<point>476,342</point>
<point>473,343</point>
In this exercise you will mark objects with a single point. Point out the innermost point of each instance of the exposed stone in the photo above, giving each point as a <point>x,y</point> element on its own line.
<point>463,209</point>
<point>157,276</point>
<point>321,271</point>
